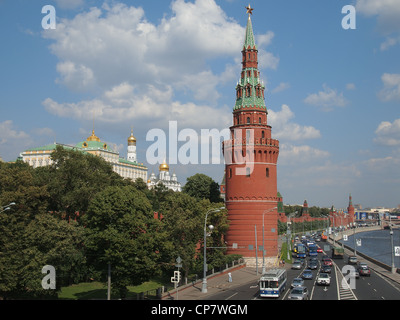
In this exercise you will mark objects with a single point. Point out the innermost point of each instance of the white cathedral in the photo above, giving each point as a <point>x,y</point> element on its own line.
<point>171,182</point>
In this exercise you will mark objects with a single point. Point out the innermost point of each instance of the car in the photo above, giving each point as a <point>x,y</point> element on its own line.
<point>319,250</point>
<point>297,282</point>
<point>352,260</point>
<point>327,261</point>
<point>307,274</point>
<point>297,265</point>
<point>299,260</point>
<point>326,269</point>
<point>323,279</point>
<point>364,270</point>
<point>313,265</point>
<point>298,293</point>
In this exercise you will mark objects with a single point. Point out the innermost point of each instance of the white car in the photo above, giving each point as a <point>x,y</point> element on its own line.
<point>324,279</point>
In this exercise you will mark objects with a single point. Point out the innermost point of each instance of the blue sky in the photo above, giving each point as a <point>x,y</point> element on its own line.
<point>333,95</point>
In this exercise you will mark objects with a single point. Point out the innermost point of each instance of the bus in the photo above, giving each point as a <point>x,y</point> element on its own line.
<point>300,250</point>
<point>312,250</point>
<point>273,283</point>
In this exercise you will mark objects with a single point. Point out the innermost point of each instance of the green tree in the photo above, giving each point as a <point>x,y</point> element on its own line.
<point>183,221</point>
<point>121,230</point>
<point>30,237</point>
<point>201,187</point>
<point>75,178</point>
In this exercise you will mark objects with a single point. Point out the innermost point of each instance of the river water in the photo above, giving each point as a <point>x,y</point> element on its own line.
<point>377,244</point>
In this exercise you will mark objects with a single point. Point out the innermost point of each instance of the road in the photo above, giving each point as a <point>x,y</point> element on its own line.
<point>375,287</point>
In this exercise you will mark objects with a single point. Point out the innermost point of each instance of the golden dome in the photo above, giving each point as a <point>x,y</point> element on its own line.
<point>131,139</point>
<point>93,137</point>
<point>164,166</point>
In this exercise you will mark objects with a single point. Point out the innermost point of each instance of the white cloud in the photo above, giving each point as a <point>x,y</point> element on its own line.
<point>291,154</point>
<point>153,106</point>
<point>284,129</point>
<point>326,99</point>
<point>8,133</point>
<point>388,133</point>
<point>387,12</point>
<point>391,87</point>
<point>389,42</point>
<point>388,18</point>
<point>350,86</point>
<point>109,45</point>
<point>146,71</point>
<point>281,87</point>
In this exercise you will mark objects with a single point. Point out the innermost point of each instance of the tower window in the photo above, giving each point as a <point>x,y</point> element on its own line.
<point>262,134</point>
<point>259,121</point>
<point>267,172</point>
<point>248,120</point>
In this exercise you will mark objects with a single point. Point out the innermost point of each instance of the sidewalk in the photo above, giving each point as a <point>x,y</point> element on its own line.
<point>240,275</point>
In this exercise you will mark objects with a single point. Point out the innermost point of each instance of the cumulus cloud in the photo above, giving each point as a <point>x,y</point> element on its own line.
<point>388,18</point>
<point>387,12</point>
<point>138,70</point>
<point>285,129</point>
<point>292,154</point>
<point>281,87</point>
<point>8,133</point>
<point>391,87</point>
<point>388,133</point>
<point>326,99</point>
<point>115,43</point>
<point>154,106</point>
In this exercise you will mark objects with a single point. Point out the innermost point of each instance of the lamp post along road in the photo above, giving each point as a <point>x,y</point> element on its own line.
<point>211,227</point>
<point>263,245</point>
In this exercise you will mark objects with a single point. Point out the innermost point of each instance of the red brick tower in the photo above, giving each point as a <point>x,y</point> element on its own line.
<point>251,157</point>
<point>350,211</point>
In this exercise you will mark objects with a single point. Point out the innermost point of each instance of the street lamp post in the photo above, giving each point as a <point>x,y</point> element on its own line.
<point>263,261</point>
<point>211,227</point>
<point>391,240</point>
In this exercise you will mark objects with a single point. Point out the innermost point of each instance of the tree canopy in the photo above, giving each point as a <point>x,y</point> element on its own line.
<point>79,216</point>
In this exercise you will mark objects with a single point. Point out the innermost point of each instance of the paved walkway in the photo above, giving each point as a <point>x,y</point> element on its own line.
<point>240,276</point>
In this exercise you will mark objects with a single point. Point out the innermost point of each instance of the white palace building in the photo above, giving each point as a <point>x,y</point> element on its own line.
<point>127,168</point>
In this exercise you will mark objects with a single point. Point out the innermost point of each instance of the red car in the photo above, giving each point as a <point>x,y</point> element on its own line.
<point>319,250</point>
<point>327,261</point>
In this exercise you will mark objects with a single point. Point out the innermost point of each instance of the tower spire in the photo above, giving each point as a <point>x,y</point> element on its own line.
<point>249,42</point>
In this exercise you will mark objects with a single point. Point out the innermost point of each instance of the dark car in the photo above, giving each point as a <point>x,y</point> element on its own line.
<point>326,269</point>
<point>307,274</point>
<point>313,265</point>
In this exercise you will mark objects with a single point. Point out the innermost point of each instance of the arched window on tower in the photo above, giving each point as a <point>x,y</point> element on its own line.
<point>267,172</point>
<point>248,120</point>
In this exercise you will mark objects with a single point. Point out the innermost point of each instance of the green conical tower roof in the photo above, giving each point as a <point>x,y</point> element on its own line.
<point>249,38</point>
<point>250,88</point>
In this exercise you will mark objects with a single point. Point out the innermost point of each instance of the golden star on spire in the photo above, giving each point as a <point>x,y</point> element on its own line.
<point>249,9</point>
